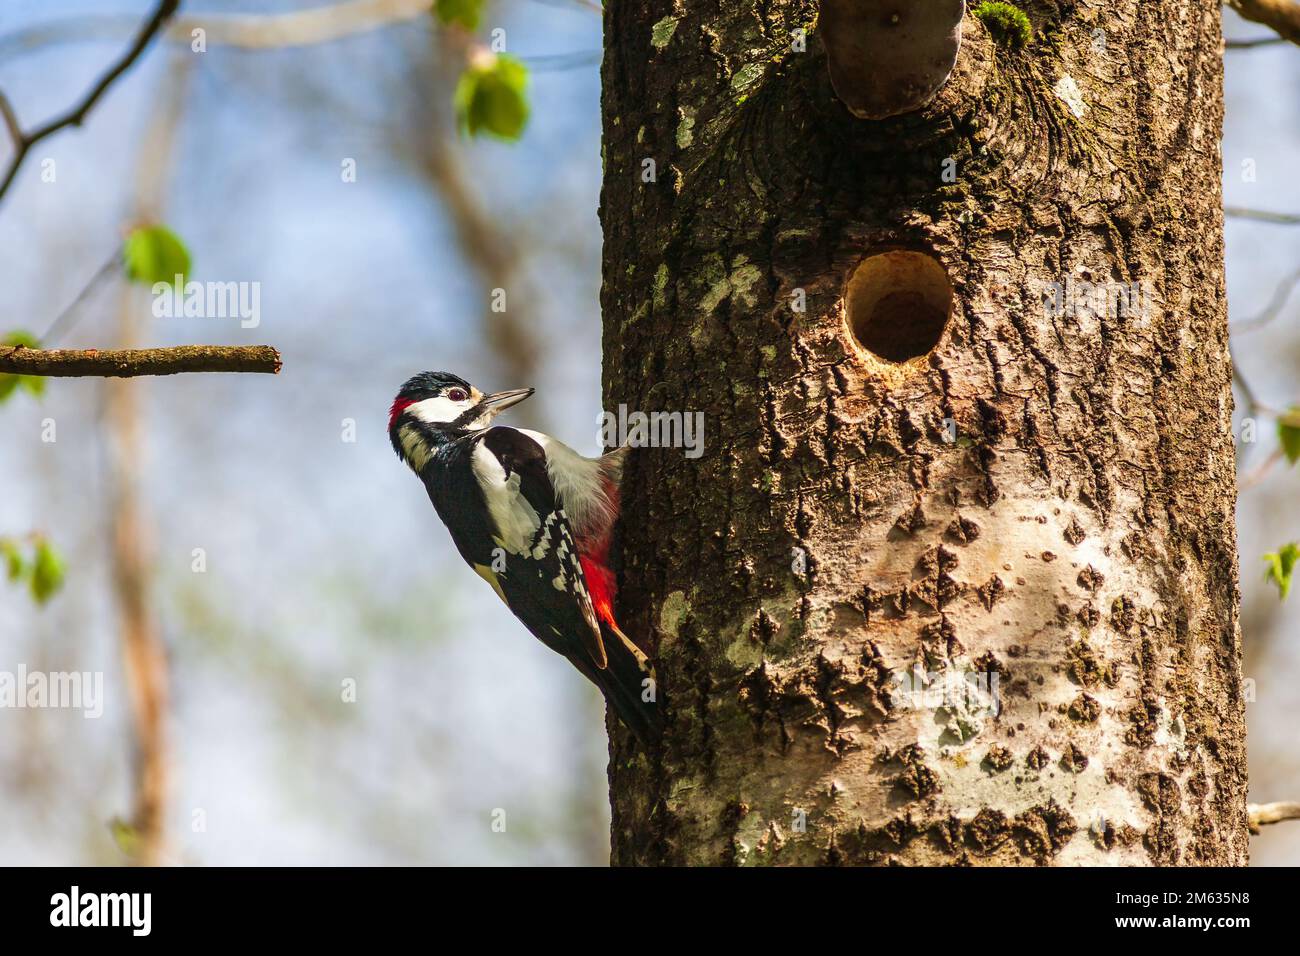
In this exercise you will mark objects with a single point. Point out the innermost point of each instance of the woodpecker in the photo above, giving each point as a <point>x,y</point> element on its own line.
<point>535,520</point>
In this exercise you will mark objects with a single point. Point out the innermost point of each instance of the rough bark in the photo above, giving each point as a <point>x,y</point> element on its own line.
<point>1048,498</point>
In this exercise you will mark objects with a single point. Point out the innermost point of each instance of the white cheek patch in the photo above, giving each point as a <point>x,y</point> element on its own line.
<point>438,411</point>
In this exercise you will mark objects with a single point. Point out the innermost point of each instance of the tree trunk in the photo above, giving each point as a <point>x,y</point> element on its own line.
<point>954,579</point>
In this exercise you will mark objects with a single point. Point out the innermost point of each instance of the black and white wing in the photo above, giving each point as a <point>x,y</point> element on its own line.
<point>541,579</point>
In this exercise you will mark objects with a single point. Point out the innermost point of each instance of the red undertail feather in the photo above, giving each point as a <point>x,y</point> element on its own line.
<point>593,553</point>
<point>601,587</point>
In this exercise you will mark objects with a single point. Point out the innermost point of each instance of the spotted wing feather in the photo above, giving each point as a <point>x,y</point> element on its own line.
<point>543,580</point>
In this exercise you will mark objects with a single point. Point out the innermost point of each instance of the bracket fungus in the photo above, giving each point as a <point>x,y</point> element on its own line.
<point>889,57</point>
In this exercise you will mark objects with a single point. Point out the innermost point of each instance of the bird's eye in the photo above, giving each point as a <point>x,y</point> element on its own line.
<point>457,395</point>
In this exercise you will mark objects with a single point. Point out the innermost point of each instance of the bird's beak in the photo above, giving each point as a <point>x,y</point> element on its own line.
<point>500,401</point>
<point>487,407</point>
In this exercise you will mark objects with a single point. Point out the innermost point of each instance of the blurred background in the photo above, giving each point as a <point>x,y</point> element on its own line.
<point>337,688</point>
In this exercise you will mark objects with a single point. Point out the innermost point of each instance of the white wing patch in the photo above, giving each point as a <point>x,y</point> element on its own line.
<point>578,483</point>
<point>544,539</point>
<point>515,519</point>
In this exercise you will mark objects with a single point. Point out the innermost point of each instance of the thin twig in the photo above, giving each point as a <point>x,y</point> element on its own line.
<point>1253,405</point>
<point>555,62</point>
<point>322,24</point>
<point>23,142</point>
<point>1254,408</point>
<point>1260,473</point>
<point>1252,44</point>
<point>1261,215</point>
<point>241,31</point>
<point>68,318</point>
<point>1281,295</point>
<point>1281,16</point>
<point>1260,814</point>
<point>11,119</point>
<point>591,5</point>
<point>127,363</point>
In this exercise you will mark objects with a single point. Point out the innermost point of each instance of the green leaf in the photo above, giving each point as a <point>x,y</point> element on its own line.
<point>490,98</point>
<point>34,384</point>
<point>21,337</point>
<point>467,13</point>
<point>47,572</point>
<point>126,836</point>
<point>1288,433</point>
<point>155,254</point>
<point>1281,564</point>
<point>15,567</point>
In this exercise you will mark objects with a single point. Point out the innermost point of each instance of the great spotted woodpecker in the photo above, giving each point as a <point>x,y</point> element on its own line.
<point>535,520</point>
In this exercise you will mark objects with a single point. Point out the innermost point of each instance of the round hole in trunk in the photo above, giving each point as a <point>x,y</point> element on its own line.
<point>897,304</point>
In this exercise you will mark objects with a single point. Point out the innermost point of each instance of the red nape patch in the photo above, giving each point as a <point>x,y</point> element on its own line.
<point>399,405</point>
<point>602,588</point>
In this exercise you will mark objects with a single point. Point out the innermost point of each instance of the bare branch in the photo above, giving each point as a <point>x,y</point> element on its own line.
<point>1253,405</point>
<point>1282,16</point>
<point>127,363</point>
<point>301,27</point>
<point>240,31</point>
<point>1252,44</point>
<point>1265,468</point>
<point>74,117</point>
<point>11,119</point>
<point>1281,295</point>
<point>1261,215</point>
<point>591,5</point>
<point>67,319</point>
<point>1259,814</point>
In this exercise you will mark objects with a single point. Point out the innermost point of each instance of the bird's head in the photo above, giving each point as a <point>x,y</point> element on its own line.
<point>435,407</point>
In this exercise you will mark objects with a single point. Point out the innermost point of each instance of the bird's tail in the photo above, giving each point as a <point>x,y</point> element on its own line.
<point>630,686</point>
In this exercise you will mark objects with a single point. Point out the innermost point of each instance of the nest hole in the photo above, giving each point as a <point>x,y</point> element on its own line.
<point>898,304</point>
